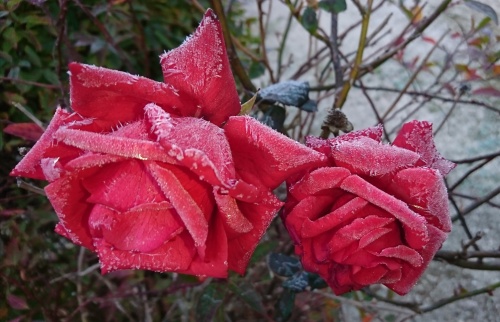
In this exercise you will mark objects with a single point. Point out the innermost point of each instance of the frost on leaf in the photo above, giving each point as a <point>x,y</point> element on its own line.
<point>417,136</point>
<point>199,69</point>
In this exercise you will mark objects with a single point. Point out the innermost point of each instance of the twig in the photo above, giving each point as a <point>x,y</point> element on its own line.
<point>79,289</point>
<point>262,31</point>
<point>478,158</point>
<point>238,68</point>
<point>478,203</point>
<point>27,186</point>
<point>27,82</point>
<point>282,43</point>
<point>29,115</point>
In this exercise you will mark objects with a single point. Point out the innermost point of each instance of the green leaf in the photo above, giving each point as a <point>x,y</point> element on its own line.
<point>247,106</point>
<point>51,76</point>
<point>483,8</point>
<point>247,294</point>
<point>209,301</point>
<point>283,265</point>
<point>298,282</point>
<point>284,306</point>
<point>309,20</point>
<point>256,69</point>
<point>33,56</point>
<point>333,6</point>
<point>11,36</point>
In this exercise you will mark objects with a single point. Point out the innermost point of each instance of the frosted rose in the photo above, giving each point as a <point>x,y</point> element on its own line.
<point>377,214</point>
<point>162,176</point>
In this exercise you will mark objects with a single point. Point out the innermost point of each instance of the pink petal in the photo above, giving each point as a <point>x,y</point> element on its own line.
<point>111,144</point>
<point>187,209</point>
<point>143,228</point>
<point>92,160</point>
<point>417,136</point>
<point>318,180</point>
<point>410,273</point>
<point>309,207</point>
<point>330,221</point>
<point>242,247</point>
<point>215,263</point>
<point>231,215</point>
<point>27,131</point>
<point>404,253</point>
<point>199,70</point>
<point>30,166</point>
<point>370,275</point>
<point>195,143</point>
<point>69,200</point>
<point>265,157</point>
<point>414,225</point>
<point>356,230</point>
<point>123,186</point>
<point>368,157</point>
<point>173,256</point>
<point>424,191</point>
<point>373,236</point>
<point>107,94</point>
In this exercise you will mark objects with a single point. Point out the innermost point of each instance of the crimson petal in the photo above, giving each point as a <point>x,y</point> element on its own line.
<point>414,225</point>
<point>264,157</point>
<point>199,70</point>
<point>111,95</point>
<point>195,143</point>
<point>417,136</point>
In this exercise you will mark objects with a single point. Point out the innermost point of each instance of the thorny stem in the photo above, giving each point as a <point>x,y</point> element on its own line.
<point>282,44</point>
<point>238,68</point>
<point>84,314</point>
<point>262,30</point>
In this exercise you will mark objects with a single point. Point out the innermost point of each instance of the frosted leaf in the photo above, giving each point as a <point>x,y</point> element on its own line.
<point>187,209</point>
<point>417,136</point>
<point>366,156</point>
<point>200,70</point>
<point>265,157</point>
<point>414,225</point>
<point>199,145</point>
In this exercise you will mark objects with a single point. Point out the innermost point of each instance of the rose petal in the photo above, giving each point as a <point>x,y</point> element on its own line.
<point>242,247</point>
<point>318,180</point>
<point>424,191</point>
<point>200,70</point>
<point>374,133</point>
<point>330,221</point>
<point>173,256</point>
<point>143,228</point>
<point>231,214</point>
<point>195,143</point>
<point>417,136</point>
<point>414,225</point>
<point>215,262</point>
<point>92,160</point>
<point>115,145</point>
<point>107,94</point>
<point>187,209</point>
<point>404,253</point>
<point>410,273</point>
<point>370,276</point>
<point>30,166</point>
<point>355,231</point>
<point>122,186</point>
<point>69,200</point>
<point>261,155</point>
<point>368,157</point>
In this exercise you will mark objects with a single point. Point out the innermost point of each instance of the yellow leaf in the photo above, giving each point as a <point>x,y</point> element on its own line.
<point>247,106</point>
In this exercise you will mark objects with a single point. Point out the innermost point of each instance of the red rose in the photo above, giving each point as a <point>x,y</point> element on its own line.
<point>161,176</point>
<point>377,214</point>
